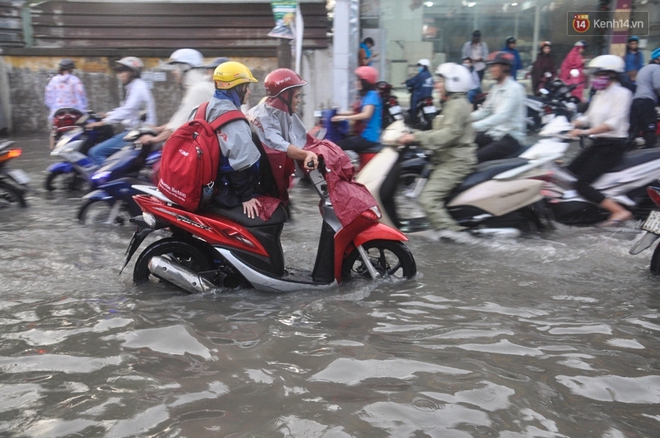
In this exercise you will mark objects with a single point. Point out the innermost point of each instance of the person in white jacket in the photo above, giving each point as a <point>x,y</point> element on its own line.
<point>138,98</point>
<point>191,73</point>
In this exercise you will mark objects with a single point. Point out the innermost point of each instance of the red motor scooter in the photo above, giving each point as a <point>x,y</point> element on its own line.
<point>223,248</point>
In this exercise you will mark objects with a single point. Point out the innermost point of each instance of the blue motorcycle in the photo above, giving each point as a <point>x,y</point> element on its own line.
<point>112,200</point>
<point>74,142</point>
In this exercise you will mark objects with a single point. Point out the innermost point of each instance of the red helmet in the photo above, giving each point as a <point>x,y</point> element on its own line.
<point>367,73</point>
<point>280,80</point>
<point>505,58</point>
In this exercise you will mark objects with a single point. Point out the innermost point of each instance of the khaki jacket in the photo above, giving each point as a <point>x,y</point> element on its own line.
<point>452,136</point>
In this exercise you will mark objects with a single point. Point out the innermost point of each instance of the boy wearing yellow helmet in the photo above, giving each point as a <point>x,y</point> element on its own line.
<point>236,173</point>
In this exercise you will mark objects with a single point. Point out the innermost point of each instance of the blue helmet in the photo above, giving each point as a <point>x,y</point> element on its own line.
<point>633,38</point>
<point>655,54</point>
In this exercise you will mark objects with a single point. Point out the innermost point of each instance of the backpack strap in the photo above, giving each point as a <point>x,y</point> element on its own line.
<point>201,111</point>
<point>227,117</point>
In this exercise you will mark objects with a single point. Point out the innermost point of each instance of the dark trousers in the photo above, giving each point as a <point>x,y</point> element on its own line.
<point>481,74</point>
<point>490,149</point>
<point>643,118</point>
<point>599,158</point>
<point>358,144</point>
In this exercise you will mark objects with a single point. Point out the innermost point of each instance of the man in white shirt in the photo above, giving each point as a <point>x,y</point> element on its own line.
<point>477,51</point>
<point>138,98</point>
<point>501,121</point>
<point>190,72</point>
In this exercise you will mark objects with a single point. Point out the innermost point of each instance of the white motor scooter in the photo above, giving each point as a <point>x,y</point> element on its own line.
<point>500,197</point>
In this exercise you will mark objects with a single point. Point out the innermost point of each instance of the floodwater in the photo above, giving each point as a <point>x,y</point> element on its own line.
<point>547,335</point>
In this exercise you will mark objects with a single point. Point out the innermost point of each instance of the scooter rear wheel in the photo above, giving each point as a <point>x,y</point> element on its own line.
<point>391,259</point>
<point>11,197</point>
<point>180,252</point>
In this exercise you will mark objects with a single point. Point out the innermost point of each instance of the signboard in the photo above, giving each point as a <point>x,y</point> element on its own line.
<point>285,19</point>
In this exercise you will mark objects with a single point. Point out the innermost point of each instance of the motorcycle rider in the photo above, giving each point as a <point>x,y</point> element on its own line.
<point>500,122</point>
<point>64,91</point>
<point>370,107</point>
<point>607,121</point>
<point>574,61</point>
<point>475,88</point>
<point>643,116</point>
<point>275,120</point>
<point>420,86</point>
<point>189,72</point>
<point>452,142</point>
<point>542,65</point>
<point>236,175</point>
<point>138,97</point>
<point>633,58</point>
<point>510,47</point>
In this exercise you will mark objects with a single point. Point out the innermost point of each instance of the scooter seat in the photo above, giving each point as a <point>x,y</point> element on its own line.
<point>236,214</point>
<point>635,158</point>
<point>487,170</point>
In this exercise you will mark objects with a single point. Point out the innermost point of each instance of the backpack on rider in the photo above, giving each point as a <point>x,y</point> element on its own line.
<point>190,160</point>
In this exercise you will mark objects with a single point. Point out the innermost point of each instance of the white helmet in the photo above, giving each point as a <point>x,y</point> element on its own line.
<point>187,56</point>
<point>607,63</point>
<point>457,77</point>
<point>425,62</point>
<point>131,62</point>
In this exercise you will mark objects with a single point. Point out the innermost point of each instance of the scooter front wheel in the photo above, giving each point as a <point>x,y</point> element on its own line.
<point>64,181</point>
<point>391,259</point>
<point>176,251</point>
<point>11,197</point>
<point>101,212</point>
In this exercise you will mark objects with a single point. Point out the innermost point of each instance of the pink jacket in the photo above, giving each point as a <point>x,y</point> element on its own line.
<point>573,61</point>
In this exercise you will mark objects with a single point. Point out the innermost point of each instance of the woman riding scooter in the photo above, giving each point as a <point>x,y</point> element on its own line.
<point>452,142</point>
<point>607,121</point>
<point>371,108</point>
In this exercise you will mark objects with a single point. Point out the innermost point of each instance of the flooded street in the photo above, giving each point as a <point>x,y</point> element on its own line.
<point>548,335</point>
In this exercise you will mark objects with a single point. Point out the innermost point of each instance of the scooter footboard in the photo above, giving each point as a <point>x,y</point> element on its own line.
<point>378,231</point>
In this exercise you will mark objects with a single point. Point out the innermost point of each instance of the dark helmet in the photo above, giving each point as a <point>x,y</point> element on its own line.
<point>633,38</point>
<point>476,34</point>
<point>66,64</point>
<point>504,58</point>
<point>510,40</point>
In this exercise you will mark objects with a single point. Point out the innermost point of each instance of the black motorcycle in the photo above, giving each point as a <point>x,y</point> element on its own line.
<point>13,182</point>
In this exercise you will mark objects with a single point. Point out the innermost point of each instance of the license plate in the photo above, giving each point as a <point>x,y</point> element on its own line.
<point>546,118</point>
<point>395,110</point>
<point>429,110</point>
<point>652,224</point>
<point>19,176</point>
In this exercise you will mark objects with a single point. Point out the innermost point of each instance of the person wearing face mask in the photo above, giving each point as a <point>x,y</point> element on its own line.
<point>138,98</point>
<point>237,173</point>
<point>420,86</point>
<point>607,121</point>
<point>475,87</point>
<point>190,73</point>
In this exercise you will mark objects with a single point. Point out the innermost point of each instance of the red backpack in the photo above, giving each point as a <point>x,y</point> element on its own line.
<point>190,159</point>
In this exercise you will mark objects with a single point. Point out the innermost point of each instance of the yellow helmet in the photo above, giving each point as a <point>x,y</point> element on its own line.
<point>229,74</point>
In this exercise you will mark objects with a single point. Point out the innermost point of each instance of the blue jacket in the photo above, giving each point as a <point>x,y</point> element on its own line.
<point>634,61</point>
<point>421,85</point>
<point>517,64</point>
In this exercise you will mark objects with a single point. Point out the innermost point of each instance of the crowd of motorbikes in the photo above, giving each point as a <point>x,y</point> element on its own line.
<point>207,251</point>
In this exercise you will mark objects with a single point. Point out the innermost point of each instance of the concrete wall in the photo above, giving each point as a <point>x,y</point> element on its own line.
<point>26,78</point>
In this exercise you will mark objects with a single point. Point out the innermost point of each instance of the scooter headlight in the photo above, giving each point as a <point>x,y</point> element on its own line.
<point>101,176</point>
<point>149,219</point>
